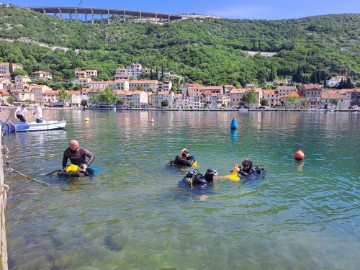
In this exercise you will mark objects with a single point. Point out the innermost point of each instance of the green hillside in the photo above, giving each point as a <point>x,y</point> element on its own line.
<point>208,51</point>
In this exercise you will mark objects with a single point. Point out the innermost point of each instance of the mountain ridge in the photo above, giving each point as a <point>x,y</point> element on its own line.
<point>208,51</point>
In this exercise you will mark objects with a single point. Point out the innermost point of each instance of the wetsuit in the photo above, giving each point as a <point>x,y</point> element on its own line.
<point>194,179</point>
<point>183,161</point>
<point>77,157</point>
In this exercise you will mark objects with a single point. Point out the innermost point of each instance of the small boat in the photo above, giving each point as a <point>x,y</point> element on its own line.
<point>13,127</point>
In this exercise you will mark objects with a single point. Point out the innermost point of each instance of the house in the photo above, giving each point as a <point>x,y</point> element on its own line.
<point>4,95</point>
<point>37,75</point>
<point>50,96</point>
<point>272,96</point>
<point>85,73</point>
<point>159,97</point>
<point>354,96</point>
<point>335,81</point>
<point>20,79</point>
<point>99,85</point>
<point>164,86</point>
<point>335,99</point>
<point>227,89</point>
<point>82,81</point>
<point>312,93</point>
<point>134,71</point>
<point>38,92</point>
<point>286,90</point>
<point>5,67</point>
<point>75,98</point>
<point>22,95</point>
<point>126,96</point>
<point>236,96</point>
<point>6,76</point>
<point>295,103</point>
<point>121,77</point>
<point>119,85</point>
<point>146,85</point>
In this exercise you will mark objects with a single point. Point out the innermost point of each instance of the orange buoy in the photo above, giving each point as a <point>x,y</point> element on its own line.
<point>299,155</point>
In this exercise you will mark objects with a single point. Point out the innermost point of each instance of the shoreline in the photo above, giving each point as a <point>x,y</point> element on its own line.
<point>190,110</point>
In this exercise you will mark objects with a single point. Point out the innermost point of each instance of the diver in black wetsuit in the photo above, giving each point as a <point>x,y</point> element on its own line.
<point>194,179</point>
<point>77,156</point>
<point>184,159</point>
<point>248,172</point>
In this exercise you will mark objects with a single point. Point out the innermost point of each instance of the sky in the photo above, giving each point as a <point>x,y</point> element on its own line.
<point>230,9</point>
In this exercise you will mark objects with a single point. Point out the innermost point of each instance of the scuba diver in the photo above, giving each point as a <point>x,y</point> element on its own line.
<point>247,171</point>
<point>196,179</point>
<point>80,159</point>
<point>184,159</point>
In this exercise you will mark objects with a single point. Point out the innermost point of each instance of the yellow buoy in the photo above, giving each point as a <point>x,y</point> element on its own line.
<point>87,119</point>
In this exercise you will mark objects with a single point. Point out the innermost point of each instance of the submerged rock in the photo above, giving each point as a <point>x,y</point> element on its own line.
<point>115,242</point>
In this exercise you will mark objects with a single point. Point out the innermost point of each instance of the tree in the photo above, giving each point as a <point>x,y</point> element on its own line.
<point>84,102</point>
<point>264,102</point>
<point>63,95</point>
<point>94,98</point>
<point>292,98</point>
<point>250,97</point>
<point>165,103</point>
<point>11,100</point>
<point>304,103</point>
<point>132,104</point>
<point>107,95</point>
<point>120,102</point>
<point>19,71</point>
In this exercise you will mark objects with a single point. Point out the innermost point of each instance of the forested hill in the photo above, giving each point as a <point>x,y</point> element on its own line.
<point>208,51</point>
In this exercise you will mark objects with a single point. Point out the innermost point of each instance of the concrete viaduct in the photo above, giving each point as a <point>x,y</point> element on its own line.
<point>74,12</point>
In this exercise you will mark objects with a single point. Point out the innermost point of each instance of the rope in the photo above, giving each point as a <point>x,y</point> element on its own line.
<point>9,169</point>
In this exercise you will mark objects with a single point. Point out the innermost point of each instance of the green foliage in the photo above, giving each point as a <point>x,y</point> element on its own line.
<point>120,102</point>
<point>107,96</point>
<point>165,103</point>
<point>264,102</point>
<point>346,84</point>
<point>84,102</point>
<point>63,95</point>
<point>304,103</point>
<point>250,97</point>
<point>18,71</point>
<point>207,51</point>
<point>292,99</point>
<point>11,100</point>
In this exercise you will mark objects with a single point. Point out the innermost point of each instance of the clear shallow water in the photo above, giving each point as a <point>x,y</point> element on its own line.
<point>132,214</point>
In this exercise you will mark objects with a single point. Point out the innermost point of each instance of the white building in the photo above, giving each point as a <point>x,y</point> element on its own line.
<point>20,79</point>
<point>37,75</point>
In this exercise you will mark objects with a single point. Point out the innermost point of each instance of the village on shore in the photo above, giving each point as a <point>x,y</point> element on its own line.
<point>133,92</point>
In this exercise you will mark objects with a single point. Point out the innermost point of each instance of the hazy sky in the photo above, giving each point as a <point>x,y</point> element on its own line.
<point>234,9</point>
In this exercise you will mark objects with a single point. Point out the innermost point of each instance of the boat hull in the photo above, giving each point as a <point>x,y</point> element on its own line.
<point>31,126</point>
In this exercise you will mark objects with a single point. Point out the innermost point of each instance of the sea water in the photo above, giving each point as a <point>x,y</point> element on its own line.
<point>133,215</point>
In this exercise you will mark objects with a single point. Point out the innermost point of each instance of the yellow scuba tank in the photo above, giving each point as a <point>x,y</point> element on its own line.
<point>72,168</point>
